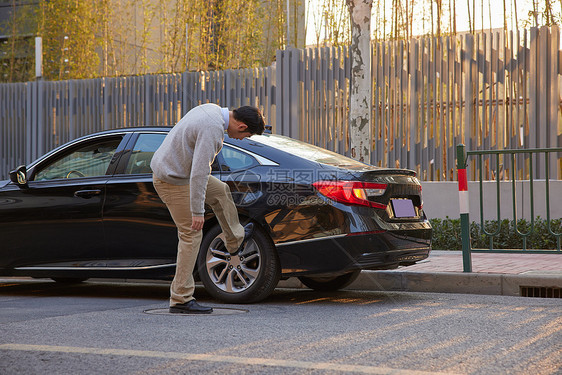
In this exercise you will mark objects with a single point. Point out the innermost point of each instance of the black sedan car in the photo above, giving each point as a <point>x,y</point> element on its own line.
<point>88,210</point>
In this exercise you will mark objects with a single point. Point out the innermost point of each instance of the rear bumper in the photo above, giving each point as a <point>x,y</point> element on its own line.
<point>343,253</point>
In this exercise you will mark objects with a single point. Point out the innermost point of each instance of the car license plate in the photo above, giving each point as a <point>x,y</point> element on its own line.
<point>403,208</point>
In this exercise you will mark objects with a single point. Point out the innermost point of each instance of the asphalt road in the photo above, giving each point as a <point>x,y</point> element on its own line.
<point>122,328</point>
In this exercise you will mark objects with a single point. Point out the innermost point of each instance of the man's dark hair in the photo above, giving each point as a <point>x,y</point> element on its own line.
<point>251,117</point>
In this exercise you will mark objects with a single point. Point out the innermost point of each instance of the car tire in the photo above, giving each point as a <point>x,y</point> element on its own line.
<point>68,280</point>
<point>330,283</point>
<point>248,277</point>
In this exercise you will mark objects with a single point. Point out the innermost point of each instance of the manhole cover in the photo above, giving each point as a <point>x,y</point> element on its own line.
<point>216,311</point>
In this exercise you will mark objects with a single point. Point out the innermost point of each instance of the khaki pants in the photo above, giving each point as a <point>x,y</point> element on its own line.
<point>176,198</point>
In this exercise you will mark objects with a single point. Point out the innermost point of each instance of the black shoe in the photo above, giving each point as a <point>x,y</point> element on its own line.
<point>191,307</point>
<point>248,232</point>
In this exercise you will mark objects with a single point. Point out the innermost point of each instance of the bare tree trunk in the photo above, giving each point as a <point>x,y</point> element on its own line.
<point>473,16</point>
<point>469,19</point>
<point>432,23</point>
<point>549,17</point>
<point>423,20</point>
<point>105,21</point>
<point>394,19</point>
<point>504,17</point>
<point>360,102</point>
<point>439,4</point>
<point>399,19</point>
<point>412,19</point>
<point>516,20</point>
<point>377,23</point>
<point>535,13</point>
<point>407,22</point>
<point>384,19</point>
<point>454,17</point>
<point>490,14</point>
<point>450,18</point>
<point>482,12</point>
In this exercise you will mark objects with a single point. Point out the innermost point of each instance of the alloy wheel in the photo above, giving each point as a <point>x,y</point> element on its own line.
<point>232,273</point>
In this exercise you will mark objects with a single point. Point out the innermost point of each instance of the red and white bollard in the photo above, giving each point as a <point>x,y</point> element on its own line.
<point>463,208</point>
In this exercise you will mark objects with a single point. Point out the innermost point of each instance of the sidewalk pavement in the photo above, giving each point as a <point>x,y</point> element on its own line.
<point>492,274</point>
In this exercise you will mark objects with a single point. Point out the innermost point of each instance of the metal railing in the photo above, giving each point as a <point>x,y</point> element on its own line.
<point>508,164</point>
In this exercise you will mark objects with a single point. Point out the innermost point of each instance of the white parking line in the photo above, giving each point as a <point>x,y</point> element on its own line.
<point>216,358</point>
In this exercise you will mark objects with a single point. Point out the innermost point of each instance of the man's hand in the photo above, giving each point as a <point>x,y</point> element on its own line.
<point>197,222</point>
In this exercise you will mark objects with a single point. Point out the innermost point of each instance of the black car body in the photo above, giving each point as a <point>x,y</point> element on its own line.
<point>88,209</point>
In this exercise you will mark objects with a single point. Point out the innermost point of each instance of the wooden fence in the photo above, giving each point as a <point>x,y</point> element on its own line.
<point>488,91</point>
<point>36,117</point>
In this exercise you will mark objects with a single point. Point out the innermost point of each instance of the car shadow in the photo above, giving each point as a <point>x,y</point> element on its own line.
<point>27,287</point>
<point>159,290</point>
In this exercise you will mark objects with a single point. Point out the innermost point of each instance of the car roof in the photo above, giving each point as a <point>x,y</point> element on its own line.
<point>133,129</point>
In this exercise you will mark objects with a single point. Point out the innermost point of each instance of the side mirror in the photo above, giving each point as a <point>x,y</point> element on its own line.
<point>19,176</point>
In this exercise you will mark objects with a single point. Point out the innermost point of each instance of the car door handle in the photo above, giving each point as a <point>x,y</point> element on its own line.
<point>87,194</point>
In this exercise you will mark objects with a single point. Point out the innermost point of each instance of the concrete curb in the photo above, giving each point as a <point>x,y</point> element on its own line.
<point>445,282</point>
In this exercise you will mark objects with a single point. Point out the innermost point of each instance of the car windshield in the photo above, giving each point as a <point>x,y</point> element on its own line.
<point>307,151</point>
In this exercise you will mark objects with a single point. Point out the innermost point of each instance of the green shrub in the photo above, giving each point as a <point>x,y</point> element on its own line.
<point>447,234</point>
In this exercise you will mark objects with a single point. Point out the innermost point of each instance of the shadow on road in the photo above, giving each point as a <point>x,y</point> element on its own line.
<point>159,290</point>
<point>93,288</point>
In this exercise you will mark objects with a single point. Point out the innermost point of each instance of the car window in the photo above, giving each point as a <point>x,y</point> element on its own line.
<point>87,161</point>
<point>142,153</point>
<point>307,151</point>
<point>235,159</point>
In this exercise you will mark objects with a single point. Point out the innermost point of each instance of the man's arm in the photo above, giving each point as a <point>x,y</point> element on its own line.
<point>207,147</point>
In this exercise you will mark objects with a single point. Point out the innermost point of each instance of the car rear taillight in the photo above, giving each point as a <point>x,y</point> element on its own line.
<point>352,192</point>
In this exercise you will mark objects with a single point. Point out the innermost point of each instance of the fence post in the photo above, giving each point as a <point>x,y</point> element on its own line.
<point>463,205</point>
